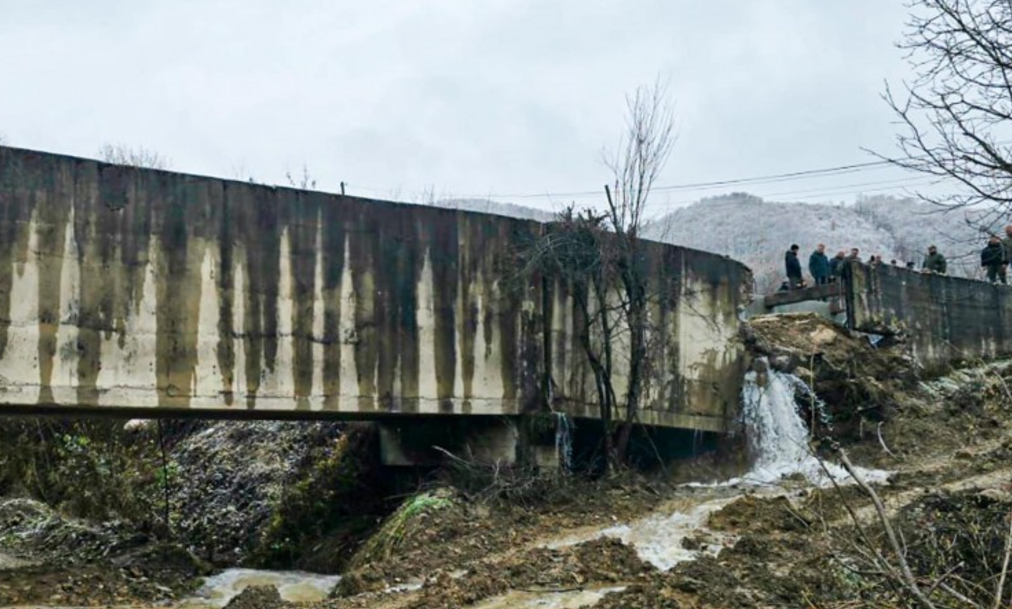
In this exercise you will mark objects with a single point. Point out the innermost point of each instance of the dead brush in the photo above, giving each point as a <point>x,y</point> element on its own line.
<point>500,484</point>
<point>946,553</point>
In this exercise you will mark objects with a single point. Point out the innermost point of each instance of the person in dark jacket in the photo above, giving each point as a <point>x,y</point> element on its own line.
<point>993,258</point>
<point>818,265</point>
<point>934,262</point>
<point>1007,242</point>
<point>793,266</point>
<point>836,265</point>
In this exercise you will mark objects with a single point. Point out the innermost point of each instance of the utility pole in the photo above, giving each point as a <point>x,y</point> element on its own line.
<point>342,188</point>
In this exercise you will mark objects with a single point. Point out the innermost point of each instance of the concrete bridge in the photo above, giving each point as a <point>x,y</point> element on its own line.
<point>139,292</point>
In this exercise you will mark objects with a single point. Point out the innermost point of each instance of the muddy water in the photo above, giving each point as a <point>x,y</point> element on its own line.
<point>659,538</point>
<point>293,586</point>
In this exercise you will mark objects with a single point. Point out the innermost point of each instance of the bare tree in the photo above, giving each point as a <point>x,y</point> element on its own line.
<point>119,154</point>
<point>641,156</point>
<point>305,181</point>
<point>957,112</point>
<point>600,257</point>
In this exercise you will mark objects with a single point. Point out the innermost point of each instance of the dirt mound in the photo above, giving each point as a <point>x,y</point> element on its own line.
<point>229,478</point>
<point>257,597</point>
<point>754,514</point>
<point>656,594</point>
<point>860,379</point>
<point>601,561</point>
<point>700,583</point>
<point>31,528</point>
<point>76,562</point>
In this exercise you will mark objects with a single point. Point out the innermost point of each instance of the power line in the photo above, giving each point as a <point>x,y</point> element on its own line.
<point>766,179</point>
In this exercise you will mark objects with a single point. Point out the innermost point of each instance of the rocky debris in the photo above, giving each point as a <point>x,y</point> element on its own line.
<point>230,477</point>
<point>31,528</point>
<point>91,585</point>
<point>68,561</point>
<point>760,514</point>
<point>257,597</point>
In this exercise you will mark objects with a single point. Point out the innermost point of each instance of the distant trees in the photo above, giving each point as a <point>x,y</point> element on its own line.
<point>957,112</point>
<point>119,154</point>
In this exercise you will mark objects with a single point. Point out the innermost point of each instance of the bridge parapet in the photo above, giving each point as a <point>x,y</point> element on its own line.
<point>150,293</point>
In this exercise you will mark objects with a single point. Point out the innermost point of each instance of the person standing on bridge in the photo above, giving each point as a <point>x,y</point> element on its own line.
<point>993,258</point>
<point>818,265</point>
<point>934,262</point>
<point>1007,242</point>
<point>794,277</point>
<point>836,265</point>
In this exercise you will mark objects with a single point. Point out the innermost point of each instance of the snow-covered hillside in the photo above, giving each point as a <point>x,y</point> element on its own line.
<point>758,232</point>
<point>487,206</point>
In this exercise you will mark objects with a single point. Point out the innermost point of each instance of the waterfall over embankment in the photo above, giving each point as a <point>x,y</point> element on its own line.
<point>778,439</point>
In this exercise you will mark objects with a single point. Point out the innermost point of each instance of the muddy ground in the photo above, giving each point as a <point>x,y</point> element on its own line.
<point>947,441</point>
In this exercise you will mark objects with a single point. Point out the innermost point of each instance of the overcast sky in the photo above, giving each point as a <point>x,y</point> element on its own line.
<point>460,97</point>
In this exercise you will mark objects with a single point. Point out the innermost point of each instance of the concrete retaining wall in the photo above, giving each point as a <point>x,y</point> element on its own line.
<point>125,289</point>
<point>944,318</point>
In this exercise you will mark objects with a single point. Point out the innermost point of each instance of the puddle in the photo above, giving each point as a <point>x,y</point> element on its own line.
<point>294,586</point>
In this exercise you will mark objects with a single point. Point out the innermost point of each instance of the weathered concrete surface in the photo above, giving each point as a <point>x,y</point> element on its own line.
<point>943,318</point>
<point>146,292</point>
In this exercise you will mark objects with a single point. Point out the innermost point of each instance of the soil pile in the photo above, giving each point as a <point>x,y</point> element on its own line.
<point>857,378</point>
<point>257,597</point>
<point>775,563</point>
<point>601,561</point>
<point>74,562</point>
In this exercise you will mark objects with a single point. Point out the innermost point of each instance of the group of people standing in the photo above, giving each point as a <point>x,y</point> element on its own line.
<point>995,258</point>
<point>822,268</point>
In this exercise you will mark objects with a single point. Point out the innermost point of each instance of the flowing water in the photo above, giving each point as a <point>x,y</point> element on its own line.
<point>778,438</point>
<point>658,538</point>
<point>564,440</point>
<point>294,586</point>
<point>778,442</point>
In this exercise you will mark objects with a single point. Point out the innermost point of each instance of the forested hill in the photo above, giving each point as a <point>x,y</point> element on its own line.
<point>758,232</point>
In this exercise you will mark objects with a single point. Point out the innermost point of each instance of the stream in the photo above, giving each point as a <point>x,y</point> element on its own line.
<point>294,586</point>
